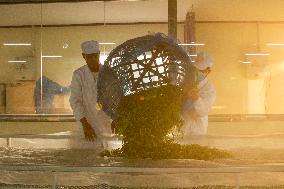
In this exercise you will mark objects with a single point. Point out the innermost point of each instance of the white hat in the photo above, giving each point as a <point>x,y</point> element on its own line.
<point>90,47</point>
<point>203,61</point>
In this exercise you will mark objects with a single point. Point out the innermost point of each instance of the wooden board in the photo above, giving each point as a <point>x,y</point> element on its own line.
<point>20,98</point>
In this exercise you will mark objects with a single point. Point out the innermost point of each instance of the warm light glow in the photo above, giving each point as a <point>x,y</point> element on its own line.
<point>275,44</point>
<point>282,66</point>
<point>17,61</point>
<point>246,62</point>
<point>103,58</point>
<point>51,56</point>
<point>98,106</point>
<point>17,44</point>
<point>218,107</point>
<point>193,55</point>
<point>257,54</point>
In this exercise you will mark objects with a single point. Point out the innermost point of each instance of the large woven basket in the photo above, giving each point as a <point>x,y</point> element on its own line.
<point>139,64</point>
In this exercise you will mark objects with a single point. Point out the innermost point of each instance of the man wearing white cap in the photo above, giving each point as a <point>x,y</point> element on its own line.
<point>95,124</point>
<point>200,98</point>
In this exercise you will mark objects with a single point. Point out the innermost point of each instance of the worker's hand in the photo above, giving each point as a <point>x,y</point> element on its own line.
<point>89,131</point>
<point>193,93</point>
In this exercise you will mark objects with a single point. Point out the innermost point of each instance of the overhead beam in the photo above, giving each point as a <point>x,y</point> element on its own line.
<point>172,18</point>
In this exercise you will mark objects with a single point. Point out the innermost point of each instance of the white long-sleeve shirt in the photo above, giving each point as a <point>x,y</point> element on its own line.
<point>83,101</point>
<point>196,119</point>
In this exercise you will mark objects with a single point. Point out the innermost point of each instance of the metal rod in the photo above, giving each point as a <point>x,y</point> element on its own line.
<point>98,169</point>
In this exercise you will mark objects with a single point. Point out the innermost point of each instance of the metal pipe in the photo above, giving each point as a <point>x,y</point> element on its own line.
<point>172,18</point>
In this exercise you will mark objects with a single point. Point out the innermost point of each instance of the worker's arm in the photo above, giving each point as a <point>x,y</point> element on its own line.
<point>76,98</point>
<point>76,102</point>
<point>89,131</point>
<point>204,101</point>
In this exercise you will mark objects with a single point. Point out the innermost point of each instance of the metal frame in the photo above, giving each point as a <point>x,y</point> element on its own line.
<point>29,136</point>
<point>139,170</point>
<point>144,170</point>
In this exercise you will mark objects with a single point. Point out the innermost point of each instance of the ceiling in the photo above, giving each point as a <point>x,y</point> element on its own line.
<point>123,11</point>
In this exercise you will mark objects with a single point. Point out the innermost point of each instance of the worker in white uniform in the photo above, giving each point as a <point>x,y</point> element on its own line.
<point>94,124</point>
<point>199,99</point>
